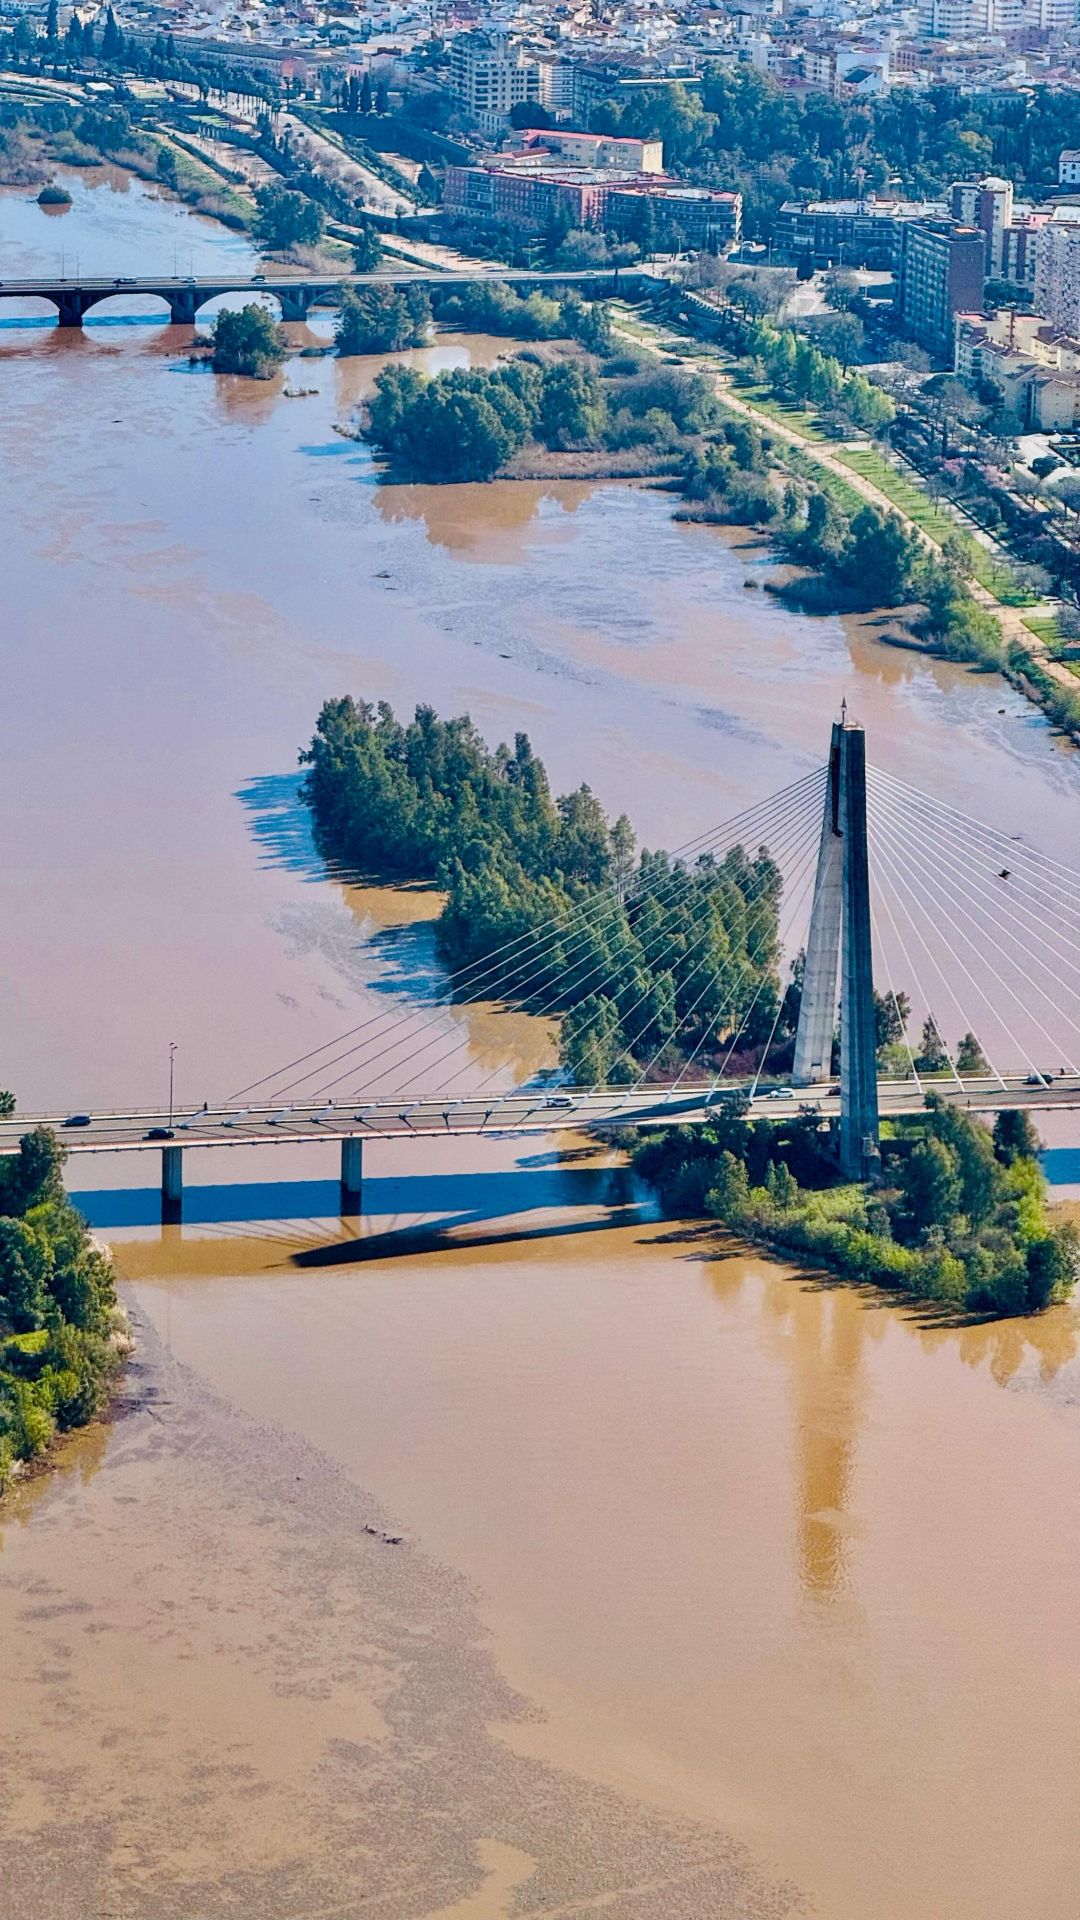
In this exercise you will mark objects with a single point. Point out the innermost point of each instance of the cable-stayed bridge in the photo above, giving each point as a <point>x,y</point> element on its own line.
<point>880,887</point>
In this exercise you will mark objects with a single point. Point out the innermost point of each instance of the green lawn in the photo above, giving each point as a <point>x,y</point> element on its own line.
<point>1045,627</point>
<point>764,401</point>
<point>936,521</point>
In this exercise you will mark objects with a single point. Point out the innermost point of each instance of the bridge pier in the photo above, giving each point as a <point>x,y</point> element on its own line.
<point>840,941</point>
<point>352,1174</point>
<point>72,305</point>
<point>182,306</point>
<point>295,301</point>
<point>172,1184</point>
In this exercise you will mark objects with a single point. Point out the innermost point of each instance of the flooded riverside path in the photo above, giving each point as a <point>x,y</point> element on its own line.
<point>718,1591</point>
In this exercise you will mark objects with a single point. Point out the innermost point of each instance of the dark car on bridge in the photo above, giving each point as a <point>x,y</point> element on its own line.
<point>160,1133</point>
<point>77,1120</point>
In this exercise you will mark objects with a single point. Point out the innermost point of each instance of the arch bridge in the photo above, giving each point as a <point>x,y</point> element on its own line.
<point>296,293</point>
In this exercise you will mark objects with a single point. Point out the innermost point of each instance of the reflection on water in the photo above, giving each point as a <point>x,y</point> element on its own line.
<point>821,1341</point>
<point>731,1524</point>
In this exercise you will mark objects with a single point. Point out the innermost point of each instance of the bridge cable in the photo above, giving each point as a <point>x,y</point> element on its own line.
<point>805,874</point>
<point>894,857</point>
<point>934,888</point>
<point>1030,932</point>
<point>735,963</point>
<point>973,856</point>
<point>557,945</point>
<point>674,888</point>
<point>753,893</point>
<point>938,814</point>
<point>654,943</point>
<point>745,1022</point>
<point>486,964</point>
<point>879,947</point>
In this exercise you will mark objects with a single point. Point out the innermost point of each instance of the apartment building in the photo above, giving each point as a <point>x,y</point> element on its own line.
<point>1034,367</point>
<point>1057,272</point>
<point>847,233</point>
<point>979,19</point>
<point>942,272</point>
<point>601,198</point>
<point>489,74</point>
<point>1069,167</point>
<point>988,205</point>
<point>560,146</point>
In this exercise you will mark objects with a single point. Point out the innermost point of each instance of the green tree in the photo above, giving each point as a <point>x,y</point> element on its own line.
<point>841,288</point>
<point>7,1103</point>
<point>930,1186</point>
<point>891,1015</point>
<point>382,97</point>
<point>24,1272</point>
<point>286,219</point>
<point>1015,1137</point>
<point>931,1057</point>
<point>381,319</point>
<point>590,1041</point>
<point>52,23</point>
<point>970,1057</point>
<point>111,41</point>
<point>367,250</point>
<point>248,342</point>
<point>571,407</point>
<point>880,554</point>
<point>366,98</point>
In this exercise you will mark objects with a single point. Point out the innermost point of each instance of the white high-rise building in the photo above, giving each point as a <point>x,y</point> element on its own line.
<point>489,74</point>
<point>956,19</point>
<point>1057,274</point>
<point>974,19</point>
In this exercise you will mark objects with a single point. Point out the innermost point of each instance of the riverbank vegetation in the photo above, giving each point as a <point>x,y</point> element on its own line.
<point>959,1215</point>
<point>548,899</point>
<point>59,1329</point>
<point>247,341</point>
<point>468,424</point>
<point>36,136</point>
<point>382,319</point>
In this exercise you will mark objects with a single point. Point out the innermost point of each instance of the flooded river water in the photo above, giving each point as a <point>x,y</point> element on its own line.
<point>582,1566</point>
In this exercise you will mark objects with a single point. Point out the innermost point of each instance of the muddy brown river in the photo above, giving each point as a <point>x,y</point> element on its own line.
<point>583,1565</point>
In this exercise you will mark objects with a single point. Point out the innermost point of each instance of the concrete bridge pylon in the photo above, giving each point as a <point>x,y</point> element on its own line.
<point>839,952</point>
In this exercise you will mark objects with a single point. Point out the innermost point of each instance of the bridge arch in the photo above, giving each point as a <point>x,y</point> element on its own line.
<point>17,306</point>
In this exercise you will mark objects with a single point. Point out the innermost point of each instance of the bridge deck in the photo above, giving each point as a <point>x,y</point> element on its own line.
<point>130,1130</point>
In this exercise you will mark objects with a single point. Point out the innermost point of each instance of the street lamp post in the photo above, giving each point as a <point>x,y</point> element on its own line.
<point>172,1061</point>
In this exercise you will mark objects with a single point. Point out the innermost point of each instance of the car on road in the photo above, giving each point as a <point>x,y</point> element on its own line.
<point>781,1093</point>
<point>160,1133</point>
<point>258,279</point>
<point>77,1120</point>
<point>125,280</point>
<point>559,1100</point>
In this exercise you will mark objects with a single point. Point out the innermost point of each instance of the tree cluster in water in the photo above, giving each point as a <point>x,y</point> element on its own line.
<point>466,425</point>
<point>959,1216</point>
<point>649,962</point>
<point>57,1304</point>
